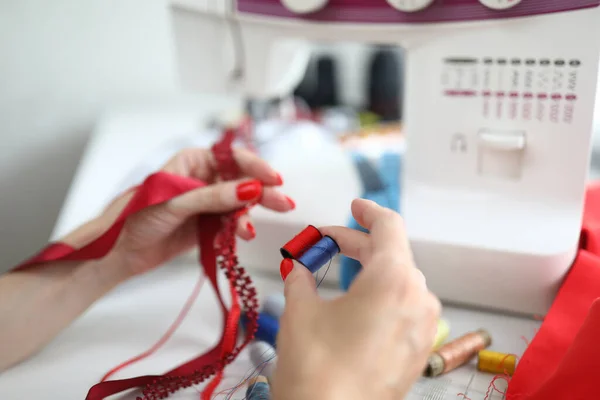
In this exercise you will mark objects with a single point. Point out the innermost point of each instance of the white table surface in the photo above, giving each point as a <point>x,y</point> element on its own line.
<point>131,318</point>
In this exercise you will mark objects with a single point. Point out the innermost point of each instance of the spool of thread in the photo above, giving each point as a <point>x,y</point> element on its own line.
<point>443,331</point>
<point>457,353</point>
<point>307,238</point>
<point>319,254</point>
<point>268,327</point>
<point>258,389</point>
<point>496,363</point>
<point>274,305</point>
<point>263,357</point>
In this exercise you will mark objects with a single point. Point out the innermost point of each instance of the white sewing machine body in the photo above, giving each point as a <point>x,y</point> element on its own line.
<point>498,117</point>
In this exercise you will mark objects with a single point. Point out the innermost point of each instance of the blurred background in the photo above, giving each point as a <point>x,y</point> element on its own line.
<point>64,63</point>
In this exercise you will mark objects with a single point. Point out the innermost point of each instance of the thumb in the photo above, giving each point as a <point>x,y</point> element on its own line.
<point>300,285</point>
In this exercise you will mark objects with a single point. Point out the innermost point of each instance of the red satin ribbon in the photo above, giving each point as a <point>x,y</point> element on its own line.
<point>215,238</point>
<point>563,360</point>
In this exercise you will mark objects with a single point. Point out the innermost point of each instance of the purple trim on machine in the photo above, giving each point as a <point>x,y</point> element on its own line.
<point>379,11</point>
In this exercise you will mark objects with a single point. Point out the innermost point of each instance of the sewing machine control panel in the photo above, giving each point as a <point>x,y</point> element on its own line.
<point>406,11</point>
<point>504,117</point>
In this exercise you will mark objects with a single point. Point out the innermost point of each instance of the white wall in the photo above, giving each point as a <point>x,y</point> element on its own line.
<point>61,63</point>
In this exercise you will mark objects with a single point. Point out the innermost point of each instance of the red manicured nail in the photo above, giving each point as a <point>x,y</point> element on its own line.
<point>285,268</point>
<point>279,179</point>
<point>291,202</point>
<point>251,229</point>
<point>250,190</point>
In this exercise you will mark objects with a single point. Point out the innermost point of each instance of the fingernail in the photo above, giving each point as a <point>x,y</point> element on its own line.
<point>279,179</point>
<point>250,190</point>
<point>285,268</point>
<point>291,202</point>
<point>251,229</point>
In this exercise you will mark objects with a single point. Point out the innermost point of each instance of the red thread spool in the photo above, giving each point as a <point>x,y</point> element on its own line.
<point>301,242</point>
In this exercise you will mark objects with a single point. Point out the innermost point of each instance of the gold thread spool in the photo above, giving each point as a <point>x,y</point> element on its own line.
<point>457,353</point>
<point>443,331</point>
<point>496,363</point>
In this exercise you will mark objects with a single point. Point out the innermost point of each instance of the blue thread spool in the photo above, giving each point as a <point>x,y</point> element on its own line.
<point>258,390</point>
<point>320,254</point>
<point>268,327</point>
<point>263,357</point>
<point>274,305</point>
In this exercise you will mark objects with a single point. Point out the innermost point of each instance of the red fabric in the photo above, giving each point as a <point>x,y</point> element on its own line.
<point>216,239</point>
<point>563,360</point>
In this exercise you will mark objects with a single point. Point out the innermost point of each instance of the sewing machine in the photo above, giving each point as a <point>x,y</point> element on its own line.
<point>494,176</point>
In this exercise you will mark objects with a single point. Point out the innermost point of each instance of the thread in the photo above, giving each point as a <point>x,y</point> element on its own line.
<point>496,363</point>
<point>307,238</point>
<point>262,354</point>
<point>320,254</point>
<point>274,305</point>
<point>253,372</point>
<point>180,318</point>
<point>457,353</point>
<point>324,275</point>
<point>258,389</point>
<point>492,387</point>
<point>443,331</point>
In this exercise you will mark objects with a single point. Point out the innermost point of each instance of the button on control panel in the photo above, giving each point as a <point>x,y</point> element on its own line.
<point>500,4</point>
<point>304,6</point>
<point>500,153</point>
<point>410,5</point>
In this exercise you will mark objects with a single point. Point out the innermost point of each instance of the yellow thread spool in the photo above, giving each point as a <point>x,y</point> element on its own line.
<point>496,363</point>
<point>443,331</point>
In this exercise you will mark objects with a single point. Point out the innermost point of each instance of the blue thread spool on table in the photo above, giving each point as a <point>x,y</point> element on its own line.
<point>268,327</point>
<point>258,389</point>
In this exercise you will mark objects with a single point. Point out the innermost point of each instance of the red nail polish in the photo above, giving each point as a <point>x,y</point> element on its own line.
<point>279,180</point>
<point>250,190</point>
<point>291,202</point>
<point>251,229</point>
<point>285,267</point>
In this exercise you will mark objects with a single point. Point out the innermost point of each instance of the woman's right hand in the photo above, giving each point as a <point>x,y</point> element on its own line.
<point>373,342</point>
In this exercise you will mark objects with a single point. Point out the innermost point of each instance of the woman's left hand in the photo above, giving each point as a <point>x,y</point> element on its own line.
<point>159,233</point>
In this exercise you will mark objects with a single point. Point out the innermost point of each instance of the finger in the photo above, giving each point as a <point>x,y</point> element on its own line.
<point>201,164</point>
<point>276,201</point>
<point>245,229</point>
<point>194,162</point>
<point>352,243</point>
<point>300,285</point>
<point>385,226</point>
<point>220,197</point>
<point>254,166</point>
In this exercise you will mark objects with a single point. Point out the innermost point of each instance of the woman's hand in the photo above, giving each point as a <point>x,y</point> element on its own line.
<point>371,343</point>
<point>159,233</point>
